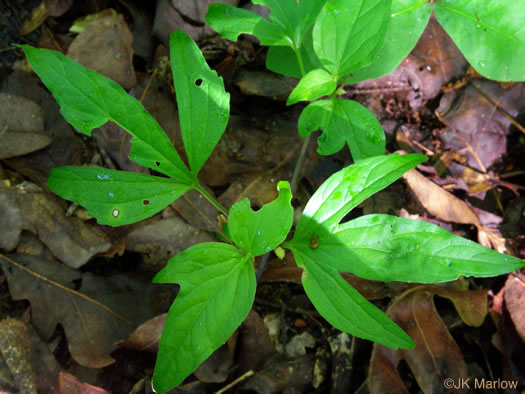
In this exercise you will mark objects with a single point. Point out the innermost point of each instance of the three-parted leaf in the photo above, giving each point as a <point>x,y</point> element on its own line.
<point>408,19</point>
<point>344,308</point>
<point>204,105</point>
<point>217,289</point>
<point>315,84</point>
<point>491,35</point>
<point>115,197</point>
<point>348,33</point>
<point>386,248</point>
<point>343,121</point>
<point>88,100</point>
<point>258,232</point>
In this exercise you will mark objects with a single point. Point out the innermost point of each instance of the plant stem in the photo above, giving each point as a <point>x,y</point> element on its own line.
<point>299,60</point>
<point>299,164</point>
<point>211,199</point>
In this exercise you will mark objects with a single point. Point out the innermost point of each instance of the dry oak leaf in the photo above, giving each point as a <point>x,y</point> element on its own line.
<point>104,311</point>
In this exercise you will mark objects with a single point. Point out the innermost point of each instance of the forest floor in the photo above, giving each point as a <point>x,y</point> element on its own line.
<point>79,312</point>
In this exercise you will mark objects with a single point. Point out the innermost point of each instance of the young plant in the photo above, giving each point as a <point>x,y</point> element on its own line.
<point>217,280</point>
<point>330,42</point>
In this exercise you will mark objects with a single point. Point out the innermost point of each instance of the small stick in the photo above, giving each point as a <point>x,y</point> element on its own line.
<point>235,382</point>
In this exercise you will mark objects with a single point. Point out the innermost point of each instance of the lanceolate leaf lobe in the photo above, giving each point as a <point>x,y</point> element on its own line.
<point>115,197</point>
<point>88,100</point>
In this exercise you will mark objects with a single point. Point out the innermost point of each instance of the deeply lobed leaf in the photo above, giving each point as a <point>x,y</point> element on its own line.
<point>387,248</point>
<point>258,232</point>
<point>217,289</point>
<point>343,121</point>
<point>115,197</point>
<point>88,100</point>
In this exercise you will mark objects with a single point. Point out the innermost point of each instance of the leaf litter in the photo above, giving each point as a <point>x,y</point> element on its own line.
<point>469,132</point>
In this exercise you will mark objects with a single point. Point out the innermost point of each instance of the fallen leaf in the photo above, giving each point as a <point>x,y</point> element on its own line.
<point>106,46</point>
<point>265,84</point>
<point>58,7</point>
<point>515,301</point>
<point>28,207</point>
<point>159,240</point>
<point>15,346</point>
<point>436,355</point>
<point>67,148</point>
<point>71,385</point>
<point>432,63</point>
<point>102,312</point>
<point>146,337</point>
<point>255,346</point>
<point>438,202</point>
<point>22,126</point>
<point>279,376</point>
<point>477,117</point>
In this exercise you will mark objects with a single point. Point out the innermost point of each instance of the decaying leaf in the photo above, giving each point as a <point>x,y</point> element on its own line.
<point>28,207</point>
<point>436,355</point>
<point>515,301</point>
<point>106,46</point>
<point>15,347</point>
<point>102,312</point>
<point>21,126</point>
<point>478,116</point>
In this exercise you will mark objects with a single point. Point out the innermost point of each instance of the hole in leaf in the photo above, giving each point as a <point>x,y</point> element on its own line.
<point>116,212</point>
<point>198,82</point>
<point>157,163</point>
<point>145,202</point>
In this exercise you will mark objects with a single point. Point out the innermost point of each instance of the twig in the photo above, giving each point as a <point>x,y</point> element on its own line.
<point>245,376</point>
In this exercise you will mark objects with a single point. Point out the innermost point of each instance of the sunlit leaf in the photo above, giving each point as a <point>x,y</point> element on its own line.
<point>204,105</point>
<point>115,197</point>
<point>491,35</point>
<point>217,289</point>
<point>343,121</point>
<point>348,33</point>
<point>317,83</point>
<point>258,232</point>
<point>88,100</point>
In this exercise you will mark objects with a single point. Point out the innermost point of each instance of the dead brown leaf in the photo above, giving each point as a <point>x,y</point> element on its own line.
<point>159,240</point>
<point>146,337</point>
<point>255,345</point>
<point>66,147</point>
<point>27,207</point>
<point>71,385</point>
<point>436,355</point>
<point>106,46</point>
<point>478,118</point>
<point>102,312</point>
<point>515,301</point>
<point>15,346</point>
<point>21,126</point>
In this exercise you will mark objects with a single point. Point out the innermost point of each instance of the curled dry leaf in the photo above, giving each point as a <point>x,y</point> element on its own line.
<point>436,355</point>
<point>15,346</point>
<point>28,207</point>
<point>104,310</point>
<point>106,46</point>
<point>70,384</point>
<point>447,207</point>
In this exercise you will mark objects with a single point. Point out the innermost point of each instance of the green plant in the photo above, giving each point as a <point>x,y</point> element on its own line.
<point>329,42</point>
<point>217,280</point>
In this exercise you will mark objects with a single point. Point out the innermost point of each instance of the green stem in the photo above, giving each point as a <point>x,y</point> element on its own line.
<point>211,199</point>
<point>299,60</point>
